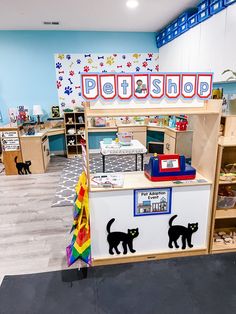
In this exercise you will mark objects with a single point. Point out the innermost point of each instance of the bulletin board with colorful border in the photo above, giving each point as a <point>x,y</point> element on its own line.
<point>70,66</point>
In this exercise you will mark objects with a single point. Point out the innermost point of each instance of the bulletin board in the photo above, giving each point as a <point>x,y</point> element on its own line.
<point>70,66</point>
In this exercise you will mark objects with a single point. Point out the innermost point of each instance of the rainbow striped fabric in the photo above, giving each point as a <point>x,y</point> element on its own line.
<point>80,246</point>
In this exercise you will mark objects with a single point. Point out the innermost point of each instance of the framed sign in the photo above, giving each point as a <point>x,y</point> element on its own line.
<point>152,201</point>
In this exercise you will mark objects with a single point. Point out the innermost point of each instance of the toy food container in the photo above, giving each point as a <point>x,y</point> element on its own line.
<point>125,138</point>
<point>107,140</point>
<point>99,122</point>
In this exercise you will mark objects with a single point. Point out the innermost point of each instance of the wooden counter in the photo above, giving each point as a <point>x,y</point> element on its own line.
<point>137,180</point>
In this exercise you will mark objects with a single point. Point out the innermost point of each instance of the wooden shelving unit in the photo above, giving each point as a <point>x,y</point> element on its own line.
<point>74,120</point>
<point>223,219</point>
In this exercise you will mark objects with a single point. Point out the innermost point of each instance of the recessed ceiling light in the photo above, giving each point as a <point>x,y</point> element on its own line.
<point>132,4</point>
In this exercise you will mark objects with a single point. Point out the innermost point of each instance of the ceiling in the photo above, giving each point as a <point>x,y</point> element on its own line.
<point>90,15</point>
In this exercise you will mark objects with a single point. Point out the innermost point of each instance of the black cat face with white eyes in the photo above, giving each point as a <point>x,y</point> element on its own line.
<point>193,227</point>
<point>133,232</point>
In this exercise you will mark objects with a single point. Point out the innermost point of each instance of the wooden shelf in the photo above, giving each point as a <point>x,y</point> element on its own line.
<point>222,247</point>
<point>227,182</point>
<point>225,213</point>
<point>227,141</point>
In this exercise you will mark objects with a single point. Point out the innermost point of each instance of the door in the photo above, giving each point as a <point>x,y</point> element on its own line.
<point>169,144</point>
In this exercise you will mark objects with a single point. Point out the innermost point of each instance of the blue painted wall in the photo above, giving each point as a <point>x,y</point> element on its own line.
<point>27,74</point>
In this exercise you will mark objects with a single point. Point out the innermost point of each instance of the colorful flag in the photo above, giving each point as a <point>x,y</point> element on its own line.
<point>80,247</point>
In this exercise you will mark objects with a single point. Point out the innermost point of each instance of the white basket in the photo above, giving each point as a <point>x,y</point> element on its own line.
<point>125,138</point>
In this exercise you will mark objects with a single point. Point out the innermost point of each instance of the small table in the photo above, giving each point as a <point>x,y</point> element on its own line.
<point>136,148</point>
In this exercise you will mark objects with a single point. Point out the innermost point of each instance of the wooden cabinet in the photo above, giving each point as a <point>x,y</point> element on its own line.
<point>36,149</point>
<point>178,142</point>
<point>139,133</point>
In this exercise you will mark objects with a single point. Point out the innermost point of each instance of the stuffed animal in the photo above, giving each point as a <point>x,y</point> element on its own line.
<point>70,120</point>
<point>71,131</point>
<point>71,142</point>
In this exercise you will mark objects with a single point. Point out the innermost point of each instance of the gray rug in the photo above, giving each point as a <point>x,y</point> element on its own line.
<point>65,192</point>
<point>191,285</point>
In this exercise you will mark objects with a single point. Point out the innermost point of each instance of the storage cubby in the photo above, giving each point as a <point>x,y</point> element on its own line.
<point>75,131</point>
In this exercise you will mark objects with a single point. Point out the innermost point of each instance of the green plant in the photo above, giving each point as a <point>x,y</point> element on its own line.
<point>232,77</point>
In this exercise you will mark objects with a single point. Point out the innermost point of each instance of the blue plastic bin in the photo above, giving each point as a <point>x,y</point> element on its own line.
<point>203,15</point>
<point>159,43</point>
<point>183,18</point>
<point>193,20</point>
<point>174,24</point>
<point>203,5</point>
<point>158,36</point>
<point>183,28</point>
<point>176,33</point>
<point>216,6</point>
<point>163,41</point>
<point>169,37</point>
<point>228,2</point>
<point>168,29</point>
<point>163,33</point>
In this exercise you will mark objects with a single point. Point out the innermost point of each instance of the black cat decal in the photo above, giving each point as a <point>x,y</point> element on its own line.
<point>23,167</point>
<point>177,231</point>
<point>115,238</point>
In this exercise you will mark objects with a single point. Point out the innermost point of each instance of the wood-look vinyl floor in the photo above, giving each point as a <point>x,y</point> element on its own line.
<point>33,235</point>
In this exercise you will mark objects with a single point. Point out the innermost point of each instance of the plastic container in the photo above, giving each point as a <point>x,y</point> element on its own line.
<point>169,29</point>
<point>174,24</point>
<point>163,41</point>
<point>183,28</point>
<point>229,2</point>
<point>203,15</point>
<point>183,18</point>
<point>99,122</point>
<point>163,33</point>
<point>159,44</point>
<point>176,33</point>
<point>107,140</point>
<point>226,201</point>
<point>193,20</point>
<point>216,6</point>
<point>203,5</point>
<point>125,138</point>
<point>169,37</point>
<point>158,37</point>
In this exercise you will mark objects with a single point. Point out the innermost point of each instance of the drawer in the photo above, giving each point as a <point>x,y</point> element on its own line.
<point>169,144</point>
<point>132,129</point>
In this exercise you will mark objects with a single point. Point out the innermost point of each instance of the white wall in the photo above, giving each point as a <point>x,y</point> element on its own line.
<point>210,46</point>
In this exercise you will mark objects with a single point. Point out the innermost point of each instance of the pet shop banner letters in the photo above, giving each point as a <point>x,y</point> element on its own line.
<point>143,85</point>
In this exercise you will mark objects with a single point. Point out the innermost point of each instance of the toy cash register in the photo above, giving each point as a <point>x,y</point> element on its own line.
<point>168,168</point>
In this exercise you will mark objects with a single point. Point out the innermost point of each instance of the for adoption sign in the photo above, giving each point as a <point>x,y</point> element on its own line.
<point>143,85</point>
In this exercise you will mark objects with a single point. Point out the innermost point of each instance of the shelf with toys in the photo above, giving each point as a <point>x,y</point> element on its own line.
<point>168,192</point>
<point>223,233</point>
<point>75,125</point>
